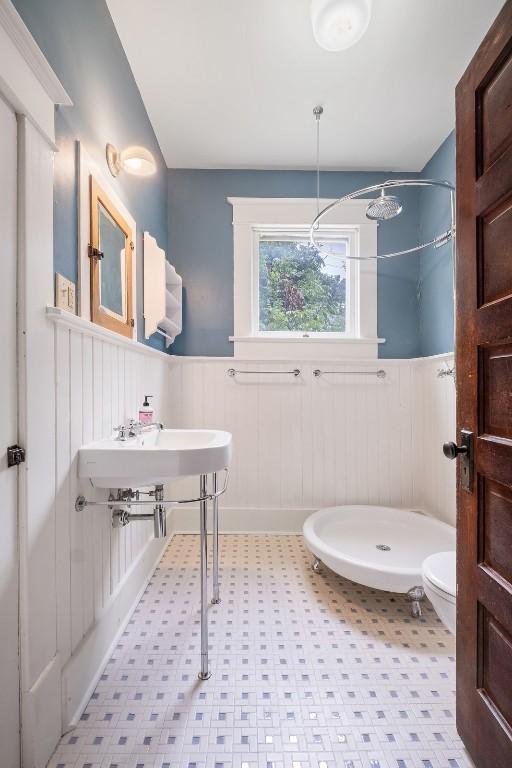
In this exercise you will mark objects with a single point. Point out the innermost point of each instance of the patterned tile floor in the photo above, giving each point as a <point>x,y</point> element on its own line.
<point>309,671</point>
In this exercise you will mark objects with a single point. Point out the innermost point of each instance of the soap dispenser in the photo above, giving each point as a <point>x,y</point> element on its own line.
<point>146,411</point>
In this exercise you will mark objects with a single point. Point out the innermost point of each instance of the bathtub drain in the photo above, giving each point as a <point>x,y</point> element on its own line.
<point>383,547</point>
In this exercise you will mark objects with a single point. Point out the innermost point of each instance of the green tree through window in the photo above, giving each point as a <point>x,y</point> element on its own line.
<point>300,289</point>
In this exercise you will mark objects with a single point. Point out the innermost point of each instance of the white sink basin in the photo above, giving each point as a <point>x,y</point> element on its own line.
<point>154,457</point>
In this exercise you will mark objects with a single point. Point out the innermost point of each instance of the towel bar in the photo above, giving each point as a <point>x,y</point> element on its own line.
<point>232,372</point>
<point>380,374</point>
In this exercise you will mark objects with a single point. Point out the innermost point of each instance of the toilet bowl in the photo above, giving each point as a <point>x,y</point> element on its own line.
<point>440,585</point>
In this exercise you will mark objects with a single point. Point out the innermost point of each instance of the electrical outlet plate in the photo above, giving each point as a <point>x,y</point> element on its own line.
<point>65,293</point>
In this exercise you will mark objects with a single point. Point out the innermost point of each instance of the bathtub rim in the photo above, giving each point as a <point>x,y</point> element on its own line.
<point>397,578</point>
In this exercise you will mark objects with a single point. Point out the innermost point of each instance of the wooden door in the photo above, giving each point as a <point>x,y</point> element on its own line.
<point>9,666</point>
<point>484,398</point>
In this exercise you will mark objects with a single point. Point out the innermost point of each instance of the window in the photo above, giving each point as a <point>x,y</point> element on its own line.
<point>302,290</point>
<point>289,293</point>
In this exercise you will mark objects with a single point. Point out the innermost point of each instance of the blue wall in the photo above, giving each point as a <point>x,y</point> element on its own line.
<point>201,248</point>
<point>435,280</point>
<point>415,306</point>
<point>80,41</point>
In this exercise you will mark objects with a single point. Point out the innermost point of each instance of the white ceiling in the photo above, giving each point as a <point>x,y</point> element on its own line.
<point>232,83</point>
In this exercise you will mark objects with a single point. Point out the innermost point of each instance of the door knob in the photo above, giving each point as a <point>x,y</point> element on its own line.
<point>465,451</point>
<point>452,450</point>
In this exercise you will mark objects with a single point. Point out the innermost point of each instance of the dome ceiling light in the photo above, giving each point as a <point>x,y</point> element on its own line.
<point>339,24</point>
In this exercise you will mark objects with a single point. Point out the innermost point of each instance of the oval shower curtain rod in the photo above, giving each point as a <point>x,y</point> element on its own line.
<point>379,209</point>
<point>437,242</point>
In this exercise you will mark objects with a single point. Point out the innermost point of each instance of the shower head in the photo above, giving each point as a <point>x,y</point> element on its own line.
<point>384,207</point>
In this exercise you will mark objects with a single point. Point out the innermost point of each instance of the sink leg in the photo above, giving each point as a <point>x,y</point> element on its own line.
<point>204,674</point>
<point>216,596</point>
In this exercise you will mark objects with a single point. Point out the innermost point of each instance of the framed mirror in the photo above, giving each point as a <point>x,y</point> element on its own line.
<point>111,256</point>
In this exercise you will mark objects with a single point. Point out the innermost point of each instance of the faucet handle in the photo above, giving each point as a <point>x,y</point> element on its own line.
<point>121,431</point>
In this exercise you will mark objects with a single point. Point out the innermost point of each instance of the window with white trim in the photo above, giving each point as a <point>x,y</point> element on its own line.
<point>302,290</point>
<point>286,292</point>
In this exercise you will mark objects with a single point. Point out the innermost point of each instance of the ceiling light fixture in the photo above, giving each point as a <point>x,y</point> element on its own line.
<point>136,160</point>
<point>339,24</point>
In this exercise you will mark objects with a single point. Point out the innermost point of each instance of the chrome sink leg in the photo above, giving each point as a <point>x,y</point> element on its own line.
<point>204,674</point>
<point>216,596</point>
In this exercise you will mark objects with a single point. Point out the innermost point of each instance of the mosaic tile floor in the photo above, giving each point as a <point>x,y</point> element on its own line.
<point>309,671</point>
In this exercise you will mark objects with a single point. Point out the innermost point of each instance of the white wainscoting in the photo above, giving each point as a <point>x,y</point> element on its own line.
<point>305,443</point>
<point>100,382</point>
<point>434,424</point>
<point>299,444</point>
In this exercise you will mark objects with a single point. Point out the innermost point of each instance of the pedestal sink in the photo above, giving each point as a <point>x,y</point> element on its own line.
<point>154,456</point>
<point>151,457</point>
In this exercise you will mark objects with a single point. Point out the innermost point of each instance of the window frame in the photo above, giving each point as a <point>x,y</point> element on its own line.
<point>337,232</point>
<point>254,215</point>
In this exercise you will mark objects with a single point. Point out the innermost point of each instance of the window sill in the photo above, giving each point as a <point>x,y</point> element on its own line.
<point>295,348</point>
<point>306,340</point>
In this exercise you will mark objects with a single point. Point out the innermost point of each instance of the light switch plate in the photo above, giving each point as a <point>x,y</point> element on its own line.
<point>65,293</point>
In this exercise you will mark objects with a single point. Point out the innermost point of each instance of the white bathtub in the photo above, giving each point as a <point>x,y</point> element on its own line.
<point>379,547</point>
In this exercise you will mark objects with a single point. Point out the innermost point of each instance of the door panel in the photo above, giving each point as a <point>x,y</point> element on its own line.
<point>495,528</point>
<point>494,253</point>
<point>496,396</point>
<point>495,98</point>
<point>484,398</point>
<point>9,667</point>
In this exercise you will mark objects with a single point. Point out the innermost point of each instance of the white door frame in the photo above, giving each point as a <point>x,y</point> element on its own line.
<point>31,88</point>
<point>9,564</point>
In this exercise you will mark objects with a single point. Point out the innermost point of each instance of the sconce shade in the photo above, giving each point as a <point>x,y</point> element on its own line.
<point>135,160</point>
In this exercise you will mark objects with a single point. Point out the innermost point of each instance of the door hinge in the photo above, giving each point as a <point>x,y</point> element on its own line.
<point>132,247</point>
<point>132,323</point>
<point>15,455</point>
<point>94,253</point>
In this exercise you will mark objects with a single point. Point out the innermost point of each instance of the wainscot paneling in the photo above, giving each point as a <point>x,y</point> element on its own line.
<point>298,444</point>
<point>99,383</point>
<point>304,443</point>
<point>434,424</point>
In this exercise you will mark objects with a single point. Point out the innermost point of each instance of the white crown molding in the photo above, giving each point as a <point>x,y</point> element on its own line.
<point>13,24</point>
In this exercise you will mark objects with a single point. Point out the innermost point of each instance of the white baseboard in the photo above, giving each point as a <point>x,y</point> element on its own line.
<point>233,520</point>
<point>82,672</point>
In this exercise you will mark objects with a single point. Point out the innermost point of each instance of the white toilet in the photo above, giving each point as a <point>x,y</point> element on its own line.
<point>440,585</point>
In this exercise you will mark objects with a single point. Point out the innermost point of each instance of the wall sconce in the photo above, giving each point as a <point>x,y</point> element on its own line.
<point>136,160</point>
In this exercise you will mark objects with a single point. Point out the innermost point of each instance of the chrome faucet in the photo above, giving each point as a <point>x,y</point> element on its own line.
<point>135,428</point>
<point>121,432</point>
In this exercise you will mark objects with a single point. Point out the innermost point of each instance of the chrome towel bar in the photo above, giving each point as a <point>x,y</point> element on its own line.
<point>232,372</point>
<point>380,374</point>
